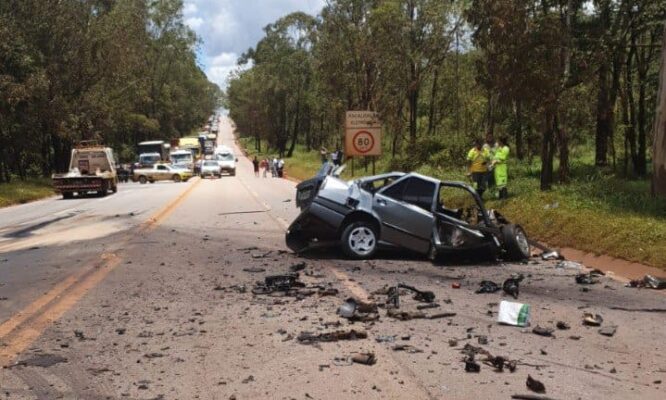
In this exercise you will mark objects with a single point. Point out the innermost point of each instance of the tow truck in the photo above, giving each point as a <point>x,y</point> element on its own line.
<point>91,169</point>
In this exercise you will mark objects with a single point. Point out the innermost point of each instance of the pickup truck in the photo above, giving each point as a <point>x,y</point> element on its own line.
<point>161,172</point>
<point>91,169</point>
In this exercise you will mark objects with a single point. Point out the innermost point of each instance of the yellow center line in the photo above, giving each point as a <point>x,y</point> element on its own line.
<point>24,327</point>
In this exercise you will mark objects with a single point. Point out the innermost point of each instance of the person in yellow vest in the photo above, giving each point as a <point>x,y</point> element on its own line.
<point>478,159</point>
<point>500,168</point>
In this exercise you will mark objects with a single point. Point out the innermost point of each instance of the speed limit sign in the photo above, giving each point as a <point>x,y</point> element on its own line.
<point>362,134</point>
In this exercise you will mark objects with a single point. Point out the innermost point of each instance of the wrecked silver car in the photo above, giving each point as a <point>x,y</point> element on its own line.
<point>408,211</point>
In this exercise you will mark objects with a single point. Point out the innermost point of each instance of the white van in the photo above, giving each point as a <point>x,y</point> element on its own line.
<point>225,157</point>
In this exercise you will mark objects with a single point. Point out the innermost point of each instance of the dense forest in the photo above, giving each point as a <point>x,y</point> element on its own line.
<point>553,76</point>
<point>116,71</point>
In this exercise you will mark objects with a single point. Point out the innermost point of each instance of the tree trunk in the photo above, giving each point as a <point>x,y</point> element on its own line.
<point>603,118</point>
<point>563,147</point>
<point>433,99</point>
<point>547,151</point>
<point>520,152</point>
<point>659,145</point>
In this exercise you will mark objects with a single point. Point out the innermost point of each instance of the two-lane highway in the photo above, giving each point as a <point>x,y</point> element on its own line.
<point>146,294</point>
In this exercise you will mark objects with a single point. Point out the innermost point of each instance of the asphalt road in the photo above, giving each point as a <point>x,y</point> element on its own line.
<point>145,294</point>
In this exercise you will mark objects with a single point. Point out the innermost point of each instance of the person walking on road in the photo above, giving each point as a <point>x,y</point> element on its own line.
<point>280,168</point>
<point>478,158</point>
<point>255,165</point>
<point>264,166</point>
<point>274,167</point>
<point>500,168</point>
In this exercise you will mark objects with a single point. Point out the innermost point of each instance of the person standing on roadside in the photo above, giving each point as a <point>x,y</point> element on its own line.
<point>478,158</point>
<point>264,166</point>
<point>491,147</point>
<point>324,154</point>
<point>255,165</point>
<point>501,172</point>
<point>274,167</point>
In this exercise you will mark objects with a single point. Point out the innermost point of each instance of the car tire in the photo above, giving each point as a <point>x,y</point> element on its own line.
<point>67,195</point>
<point>176,178</point>
<point>232,173</point>
<point>105,189</point>
<point>143,180</point>
<point>359,240</point>
<point>114,188</point>
<point>151,180</point>
<point>516,243</point>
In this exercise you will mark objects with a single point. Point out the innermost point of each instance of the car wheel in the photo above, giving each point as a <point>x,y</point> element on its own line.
<point>233,173</point>
<point>359,240</point>
<point>105,189</point>
<point>143,180</point>
<point>151,180</point>
<point>516,244</point>
<point>177,178</point>
<point>67,195</point>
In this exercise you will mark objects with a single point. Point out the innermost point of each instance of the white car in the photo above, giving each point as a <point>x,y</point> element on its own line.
<point>227,162</point>
<point>210,168</point>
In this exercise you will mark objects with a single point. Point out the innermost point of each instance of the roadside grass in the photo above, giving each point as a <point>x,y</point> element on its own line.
<point>596,212</point>
<point>19,192</point>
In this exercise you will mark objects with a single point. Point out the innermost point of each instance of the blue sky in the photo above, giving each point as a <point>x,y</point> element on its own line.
<point>229,27</point>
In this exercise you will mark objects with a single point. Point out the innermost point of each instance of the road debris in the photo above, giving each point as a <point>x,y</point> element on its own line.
<point>278,283</point>
<point>310,338</point>
<point>587,279</point>
<point>424,296</point>
<point>529,397</point>
<point>608,330</point>
<point>561,325</point>
<point>385,338</point>
<point>590,319</point>
<point>535,385</point>
<point>471,365</point>
<point>364,358</point>
<point>516,314</point>
<point>511,286</point>
<point>356,310</point>
<point>538,330</point>
<point>487,287</point>
<point>254,270</point>
<point>298,266</point>
<point>40,360</point>
<point>569,265</point>
<point>427,306</point>
<point>406,348</point>
<point>648,282</point>
<point>551,255</point>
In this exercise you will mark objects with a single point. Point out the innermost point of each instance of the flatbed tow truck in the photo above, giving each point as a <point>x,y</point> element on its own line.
<point>91,169</point>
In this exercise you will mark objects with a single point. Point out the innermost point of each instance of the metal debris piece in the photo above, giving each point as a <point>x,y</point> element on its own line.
<point>40,360</point>
<point>406,348</point>
<point>648,282</point>
<point>356,310</point>
<point>529,397</point>
<point>561,325</point>
<point>309,337</point>
<point>385,338</point>
<point>569,265</point>
<point>608,330</point>
<point>586,279</point>
<point>404,315</point>
<point>427,306</point>
<point>535,385</point>
<point>538,330</point>
<point>393,297</point>
<point>424,296</point>
<point>590,319</point>
<point>254,270</point>
<point>364,358</point>
<point>511,286</point>
<point>487,287</point>
<point>551,255</point>
<point>471,365</point>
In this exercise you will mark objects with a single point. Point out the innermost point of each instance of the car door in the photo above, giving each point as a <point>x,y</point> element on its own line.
<point>163,173</point>
<point>405,211</point>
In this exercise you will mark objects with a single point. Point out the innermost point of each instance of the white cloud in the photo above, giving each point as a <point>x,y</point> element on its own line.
<point>230,27</point>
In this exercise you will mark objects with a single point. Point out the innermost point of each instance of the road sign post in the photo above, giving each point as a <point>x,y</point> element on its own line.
<point>363,135</point>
